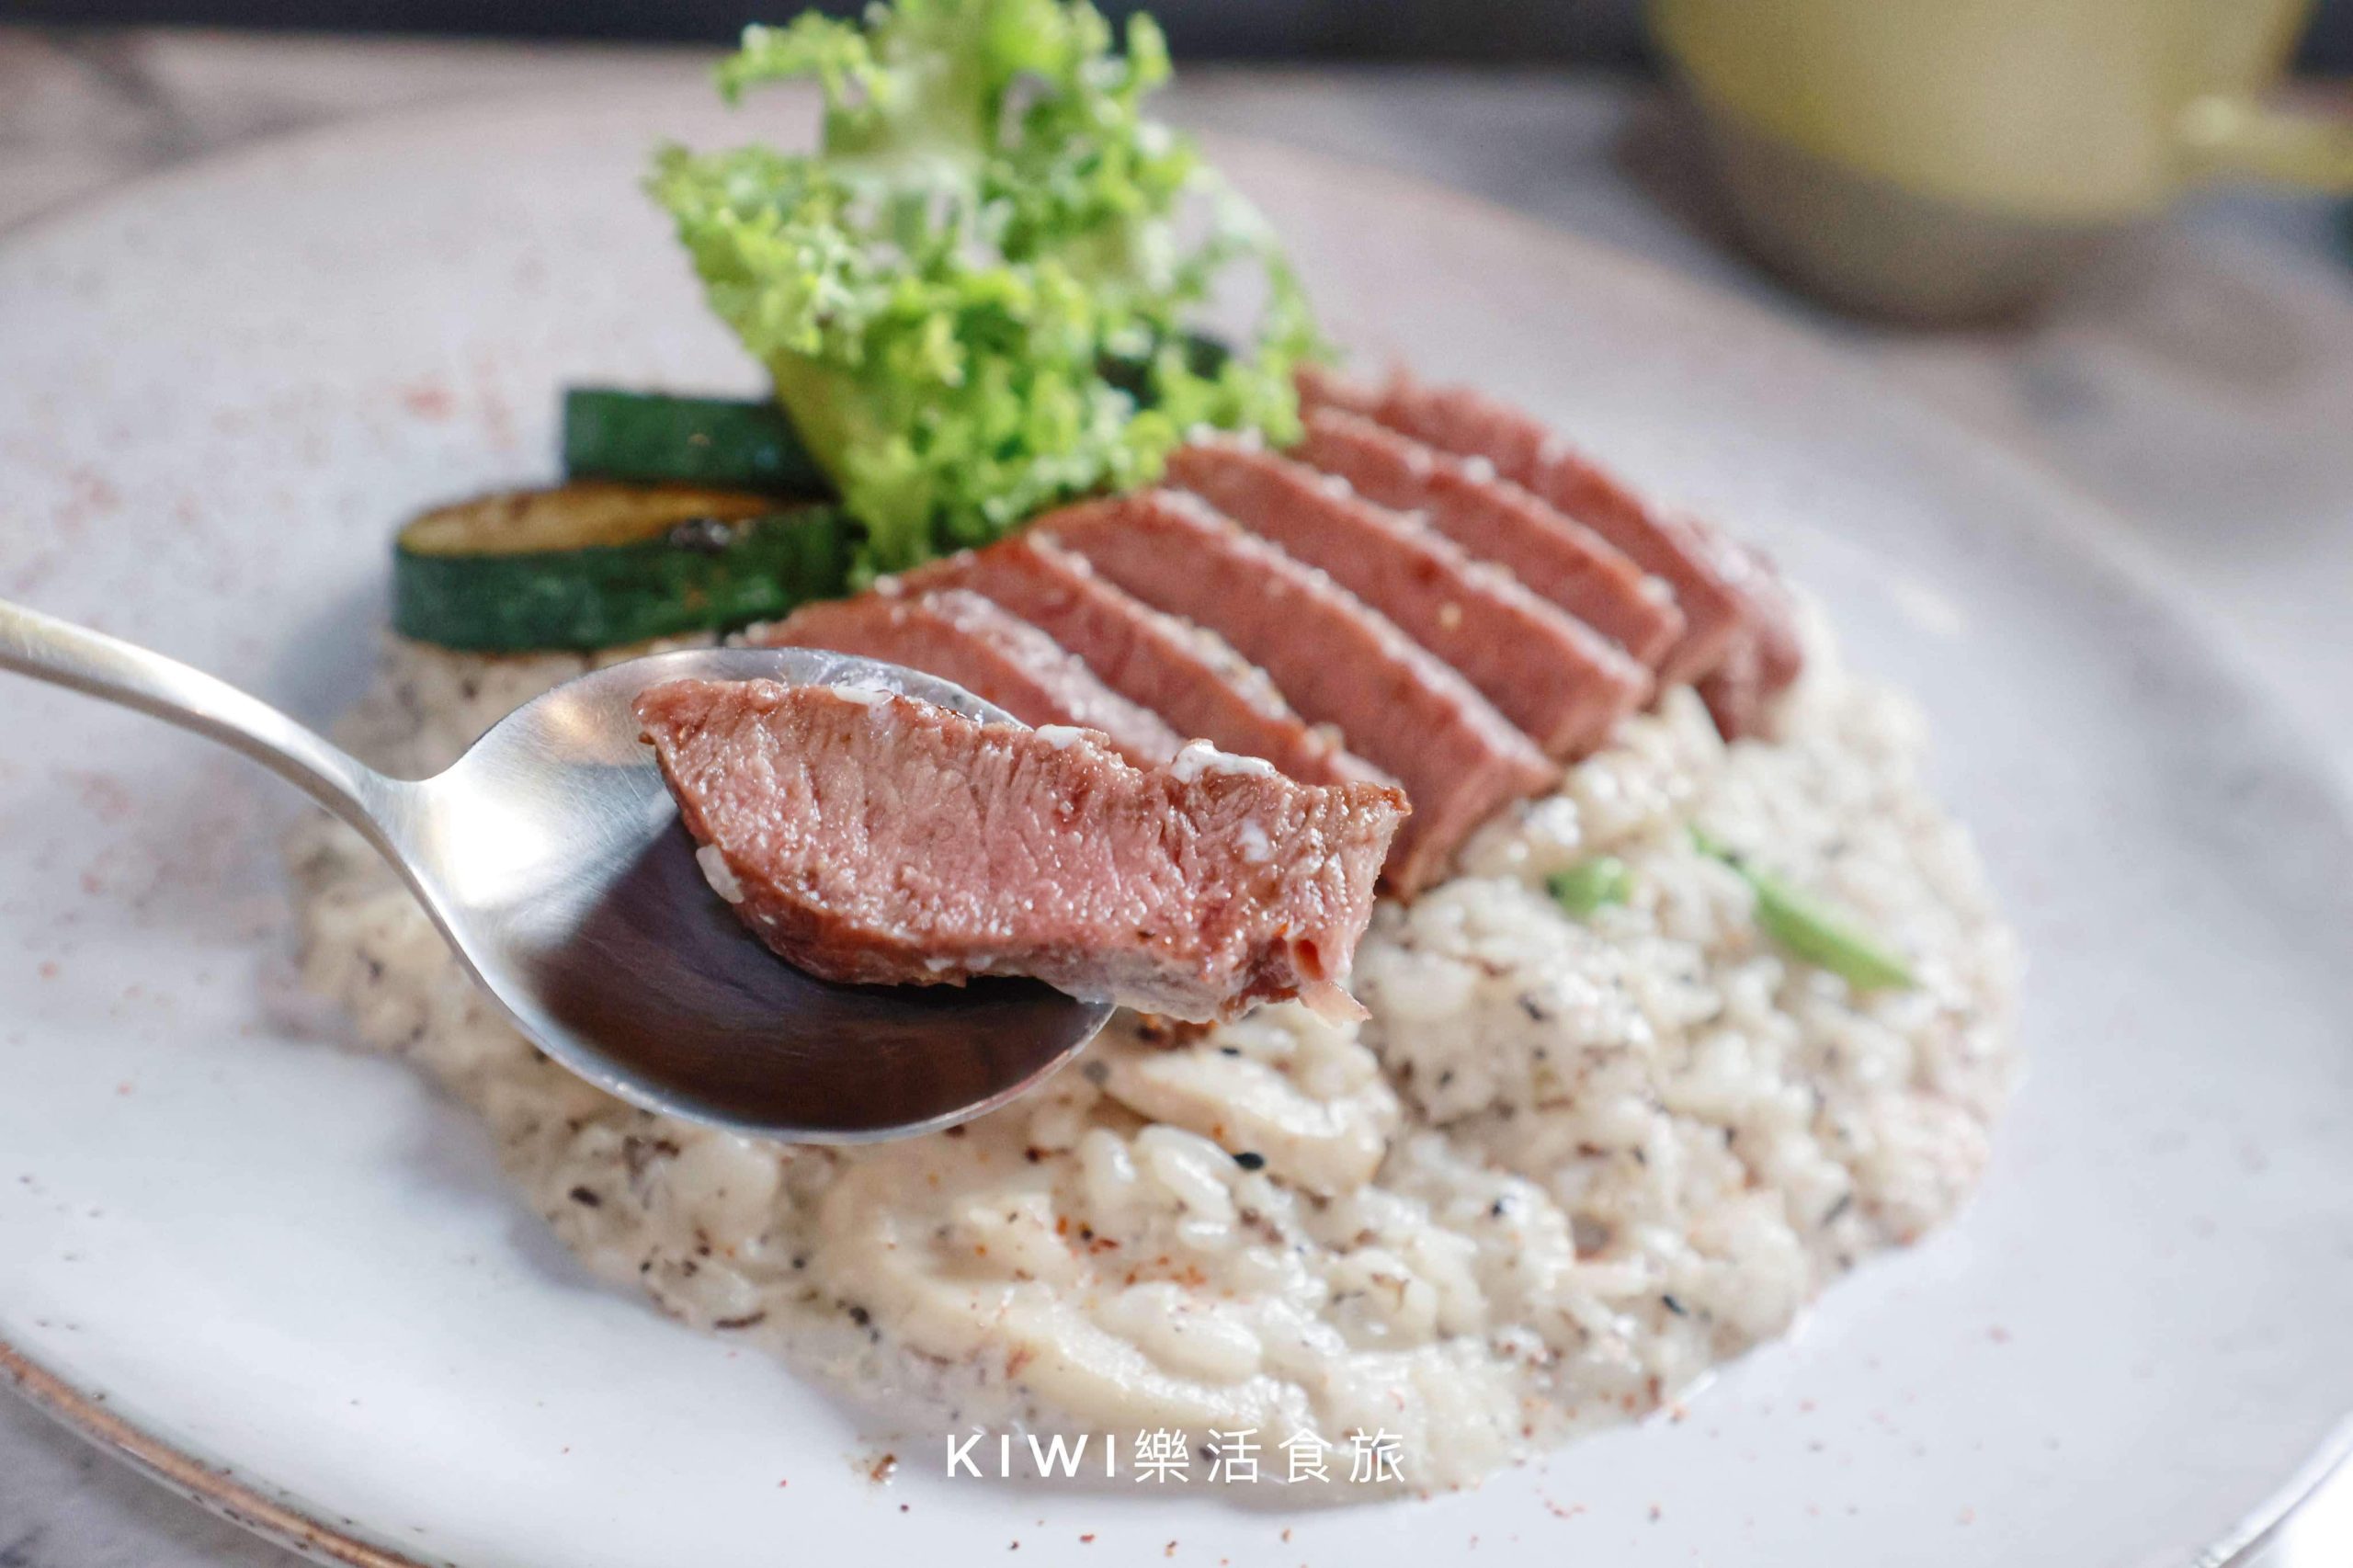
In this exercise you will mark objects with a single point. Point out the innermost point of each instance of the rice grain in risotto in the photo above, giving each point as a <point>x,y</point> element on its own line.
<point>1564,1168</point>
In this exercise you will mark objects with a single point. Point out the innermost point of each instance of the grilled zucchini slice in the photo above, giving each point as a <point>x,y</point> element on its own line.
<point>660,437</point>
<point>596,565</point>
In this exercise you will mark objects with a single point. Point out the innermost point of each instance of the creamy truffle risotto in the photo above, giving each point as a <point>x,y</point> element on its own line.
<point>1566,1165</point>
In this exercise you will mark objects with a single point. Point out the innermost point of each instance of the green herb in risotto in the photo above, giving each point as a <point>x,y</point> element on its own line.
<point>1588,886</point>
<point>1812,930</point>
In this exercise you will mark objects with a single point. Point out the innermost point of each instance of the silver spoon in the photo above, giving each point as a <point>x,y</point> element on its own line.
<point>552,857</point>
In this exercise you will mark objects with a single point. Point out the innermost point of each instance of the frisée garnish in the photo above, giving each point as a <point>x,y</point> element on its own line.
<point>981,293</point>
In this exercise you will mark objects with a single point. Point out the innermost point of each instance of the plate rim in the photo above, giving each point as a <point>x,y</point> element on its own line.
<point>288,1524</point>
<point>218,1491</point>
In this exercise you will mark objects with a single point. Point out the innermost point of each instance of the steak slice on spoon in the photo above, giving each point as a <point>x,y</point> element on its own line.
<point>872,838</point>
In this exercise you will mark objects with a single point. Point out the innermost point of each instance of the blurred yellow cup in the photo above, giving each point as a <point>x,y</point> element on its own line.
<point>1946,159</point>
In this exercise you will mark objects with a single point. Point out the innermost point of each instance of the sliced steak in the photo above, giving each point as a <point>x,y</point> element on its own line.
<point>1762,661</point>
<point>1682,552</point>
<point>1772,614</point>
<point>990,652</point>
<point>1338,661</point>
<point>1190,677</point>
<point>1734,692</point>
<point>872,838</point>
<point>1496,520</point>
<point>1780,651</point>
<point>1563,684</point>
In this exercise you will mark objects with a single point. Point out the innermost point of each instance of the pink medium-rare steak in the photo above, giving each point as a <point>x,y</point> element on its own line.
<point>1772,620</point>
<point>1469,424</point>
<point>1563,684</point>
<point>1762,661</point>
<point>990,652</point>
<point>1734,692</point>
<point>1781,652</point>
<point>1496,520</point>
<point>871,838</point>
<point>1394,702</point>
<point>1187,676</point>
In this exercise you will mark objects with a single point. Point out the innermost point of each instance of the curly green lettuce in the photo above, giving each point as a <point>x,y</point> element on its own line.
<point>980,296</point>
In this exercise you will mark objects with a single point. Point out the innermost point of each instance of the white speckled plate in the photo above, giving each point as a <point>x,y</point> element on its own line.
<point>291,1280</point>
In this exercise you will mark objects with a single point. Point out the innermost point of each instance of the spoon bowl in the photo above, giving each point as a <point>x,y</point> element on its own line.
<point>552,857</point>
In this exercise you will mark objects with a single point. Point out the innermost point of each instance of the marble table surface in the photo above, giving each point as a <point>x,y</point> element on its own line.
<point>2198,385</point>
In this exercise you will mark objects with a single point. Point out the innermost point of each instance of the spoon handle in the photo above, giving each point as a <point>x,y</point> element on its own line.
<point>65,654</point>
